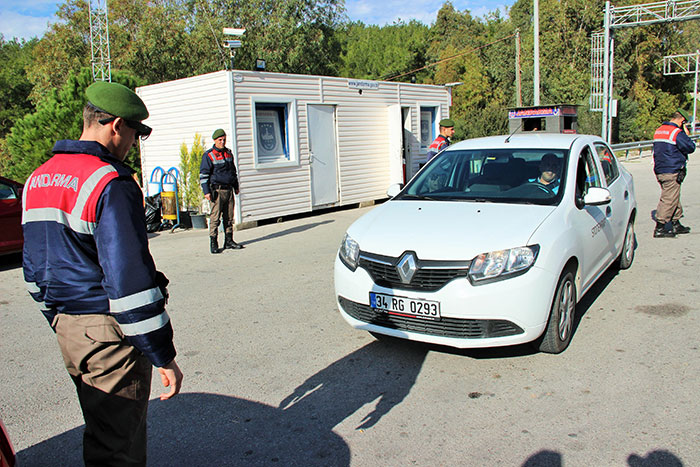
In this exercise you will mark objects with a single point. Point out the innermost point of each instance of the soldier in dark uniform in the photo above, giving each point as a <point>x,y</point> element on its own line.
<point>86,260</point>
<point>672,144</point>
<point>219,180</point>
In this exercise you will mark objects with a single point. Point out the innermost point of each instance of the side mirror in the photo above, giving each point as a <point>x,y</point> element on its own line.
<point>596,196</point>
<point>394,189</point>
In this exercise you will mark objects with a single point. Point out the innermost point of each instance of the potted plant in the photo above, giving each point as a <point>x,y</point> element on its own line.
<point>191,191</point>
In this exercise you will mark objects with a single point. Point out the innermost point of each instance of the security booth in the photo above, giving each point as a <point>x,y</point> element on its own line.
<point>558,118</point>
<point>300,142</point>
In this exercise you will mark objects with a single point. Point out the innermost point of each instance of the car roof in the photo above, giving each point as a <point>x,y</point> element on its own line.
<point>10,182</point>
<point>522,140</point>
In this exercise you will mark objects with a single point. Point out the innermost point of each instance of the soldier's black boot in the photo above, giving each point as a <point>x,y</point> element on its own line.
<point>679,228</point>
<point>230,244</point>
<point>661,232</point>
<point>214,247</point>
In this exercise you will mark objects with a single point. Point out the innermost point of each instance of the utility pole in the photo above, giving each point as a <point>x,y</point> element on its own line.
<point>536,15</point>
<point>518,88</point>
<point>99,41</point>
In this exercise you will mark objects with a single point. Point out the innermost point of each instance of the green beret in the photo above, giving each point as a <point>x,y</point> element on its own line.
<point>447,123</point>
<point>218,133</point>
<point>684,114</point>
<point>118,100</point>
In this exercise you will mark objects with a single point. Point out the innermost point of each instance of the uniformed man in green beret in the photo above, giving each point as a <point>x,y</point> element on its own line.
<point>219,180</point>
<point>86,261</point>
<point>447,131</point>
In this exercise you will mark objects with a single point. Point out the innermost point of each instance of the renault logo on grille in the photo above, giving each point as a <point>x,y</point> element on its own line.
<point>407,267</point>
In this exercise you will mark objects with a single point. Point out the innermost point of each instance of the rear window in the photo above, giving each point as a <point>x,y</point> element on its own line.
<point>531,176</point>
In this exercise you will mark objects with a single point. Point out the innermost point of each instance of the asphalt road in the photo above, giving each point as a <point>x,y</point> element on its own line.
<point>274,376</point>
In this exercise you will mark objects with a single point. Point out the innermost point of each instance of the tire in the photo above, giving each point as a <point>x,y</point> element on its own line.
<point>624,261</point>
<point>560,326</point>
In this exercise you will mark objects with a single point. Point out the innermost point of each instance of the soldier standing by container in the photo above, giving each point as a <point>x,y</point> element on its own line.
<point>219,180</point>
<point>672,144</point>
<point>86,260</point>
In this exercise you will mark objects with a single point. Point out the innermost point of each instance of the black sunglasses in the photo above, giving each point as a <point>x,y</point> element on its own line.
<point>142,131</point>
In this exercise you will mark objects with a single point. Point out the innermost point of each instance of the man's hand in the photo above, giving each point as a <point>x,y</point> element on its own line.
<point>208,197</point>
<point>171,376</point>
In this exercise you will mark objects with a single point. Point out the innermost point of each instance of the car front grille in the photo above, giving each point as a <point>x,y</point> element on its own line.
<point>445,327</point>
<point>429,276</point>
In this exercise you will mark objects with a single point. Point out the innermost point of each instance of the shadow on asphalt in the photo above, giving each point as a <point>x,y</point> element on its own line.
<point>656,458</point>
<point>291,230</point>
<point>211,429</point>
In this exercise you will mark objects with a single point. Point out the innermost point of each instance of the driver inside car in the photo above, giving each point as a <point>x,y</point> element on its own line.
<point>550,166</point>
<point>436,181</point>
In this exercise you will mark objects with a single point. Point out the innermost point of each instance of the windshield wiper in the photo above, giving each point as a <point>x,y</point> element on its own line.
<point>420,197</point>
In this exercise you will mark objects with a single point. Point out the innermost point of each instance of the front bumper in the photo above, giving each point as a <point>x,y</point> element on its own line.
<point>506,312</point>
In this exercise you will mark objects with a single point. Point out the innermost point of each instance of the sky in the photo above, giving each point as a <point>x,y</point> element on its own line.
<point>24,19</point>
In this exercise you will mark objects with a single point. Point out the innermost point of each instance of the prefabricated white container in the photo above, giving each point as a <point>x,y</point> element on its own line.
<point>301,142</point>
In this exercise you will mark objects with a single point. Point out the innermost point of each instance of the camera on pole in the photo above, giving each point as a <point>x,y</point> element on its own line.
<point>233,44</point>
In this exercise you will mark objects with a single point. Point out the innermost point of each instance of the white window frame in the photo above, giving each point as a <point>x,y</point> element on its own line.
<point>291,132</point>
<point>437,107</point>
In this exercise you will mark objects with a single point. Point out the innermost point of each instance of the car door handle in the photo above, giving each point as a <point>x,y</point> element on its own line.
<point>608,211</point>
<point>627,195</point>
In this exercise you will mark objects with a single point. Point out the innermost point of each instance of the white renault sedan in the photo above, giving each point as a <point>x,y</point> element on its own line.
<point>491,244</point>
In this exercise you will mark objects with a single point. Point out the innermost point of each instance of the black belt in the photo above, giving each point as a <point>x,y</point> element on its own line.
<point>215,186</point>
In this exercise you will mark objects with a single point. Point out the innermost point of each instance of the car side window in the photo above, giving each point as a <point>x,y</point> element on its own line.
<point>608,162</point>
<point>7,192</point>
<point>586,173</point>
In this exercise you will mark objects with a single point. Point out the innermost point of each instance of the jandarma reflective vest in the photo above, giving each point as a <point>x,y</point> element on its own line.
<point>671,146</point>
<point>86,247</point>
<point>437,145</point>
<point>217,167</point>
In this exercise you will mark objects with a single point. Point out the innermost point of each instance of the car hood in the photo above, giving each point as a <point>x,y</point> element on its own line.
<point>443,230</point>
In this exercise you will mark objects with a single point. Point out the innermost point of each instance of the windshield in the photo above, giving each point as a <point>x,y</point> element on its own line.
<point>496,175</point>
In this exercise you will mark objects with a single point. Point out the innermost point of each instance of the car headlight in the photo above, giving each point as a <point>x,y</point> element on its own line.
<point>502,264</point>
<point>349,252</point>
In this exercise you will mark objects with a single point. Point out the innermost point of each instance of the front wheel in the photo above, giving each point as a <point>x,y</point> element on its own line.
<point>560,326</point>
<point>627,253</point>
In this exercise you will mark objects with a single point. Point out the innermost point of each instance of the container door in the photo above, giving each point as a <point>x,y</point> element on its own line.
<point>323,157</point>
<point>406,144</point>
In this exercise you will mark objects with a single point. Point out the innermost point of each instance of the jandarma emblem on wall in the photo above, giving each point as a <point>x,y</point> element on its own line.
<point>267,135</point>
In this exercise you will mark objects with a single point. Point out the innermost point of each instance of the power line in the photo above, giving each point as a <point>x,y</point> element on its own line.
<point>448,58</point>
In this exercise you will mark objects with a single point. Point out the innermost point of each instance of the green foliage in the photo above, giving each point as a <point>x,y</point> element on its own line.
<point>293,36</point>
<point>64,50</point>
<point>14,90</point>
<point>14,85</point>
<point>371,52</point>
<point>59,115</point>
<point>170,39</point>
<point>189,187</point>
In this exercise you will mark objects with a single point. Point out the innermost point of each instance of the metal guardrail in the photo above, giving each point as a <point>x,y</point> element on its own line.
<point>639,146</point>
